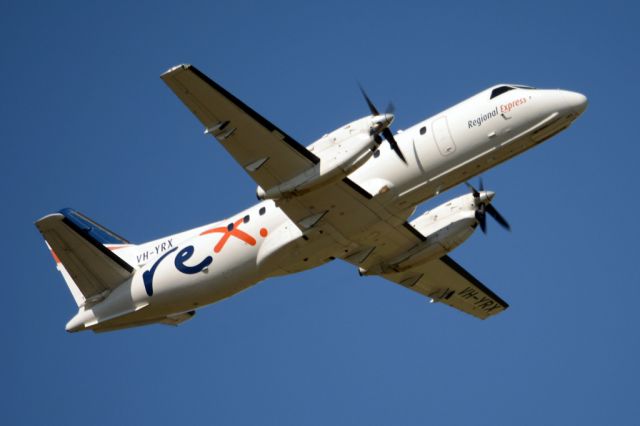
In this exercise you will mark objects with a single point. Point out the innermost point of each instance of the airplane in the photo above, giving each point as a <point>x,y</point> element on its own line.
<point>349,195</point>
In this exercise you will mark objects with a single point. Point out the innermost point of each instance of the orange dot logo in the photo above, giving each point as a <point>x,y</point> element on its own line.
<point>263,232</point>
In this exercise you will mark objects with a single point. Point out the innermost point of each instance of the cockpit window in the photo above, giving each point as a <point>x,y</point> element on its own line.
<point>499,91</point>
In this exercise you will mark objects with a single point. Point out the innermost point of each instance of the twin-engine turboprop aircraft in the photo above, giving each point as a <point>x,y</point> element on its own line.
<point>348,195</point>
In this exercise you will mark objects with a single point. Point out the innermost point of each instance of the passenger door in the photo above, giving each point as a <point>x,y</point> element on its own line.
<point>442,136</point>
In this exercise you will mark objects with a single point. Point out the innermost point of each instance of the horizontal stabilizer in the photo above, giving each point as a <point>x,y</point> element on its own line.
<point>78,244</point>
<point>177,319</point>
<point>173,320</point>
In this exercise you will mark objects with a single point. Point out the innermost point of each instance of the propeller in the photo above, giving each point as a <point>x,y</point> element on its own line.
<point>387,133</point>
<point>483,202</point>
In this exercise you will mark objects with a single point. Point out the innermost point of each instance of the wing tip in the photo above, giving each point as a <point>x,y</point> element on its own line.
<point>48,219</point>
<point>175,69</point>
<point>459,269</point>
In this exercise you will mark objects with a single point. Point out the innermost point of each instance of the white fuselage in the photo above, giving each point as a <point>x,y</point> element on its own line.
<point>185,271</point>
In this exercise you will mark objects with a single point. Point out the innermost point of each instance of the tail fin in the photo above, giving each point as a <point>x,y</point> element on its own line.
<point>83,251</point>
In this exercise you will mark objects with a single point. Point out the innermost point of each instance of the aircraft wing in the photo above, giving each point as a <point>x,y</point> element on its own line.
<point>443,280</point>
<point>268,154</point>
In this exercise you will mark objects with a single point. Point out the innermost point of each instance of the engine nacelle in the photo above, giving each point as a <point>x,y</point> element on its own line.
<point>341,152</point>
<point>445,228</point>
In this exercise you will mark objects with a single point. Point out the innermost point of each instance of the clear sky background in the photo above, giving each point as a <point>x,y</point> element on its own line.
<point>87,123</point>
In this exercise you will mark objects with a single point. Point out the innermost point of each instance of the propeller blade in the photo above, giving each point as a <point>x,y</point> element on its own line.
<point>474,191</point>
<point>498,217</point>
<point>481,184</point>
<point>391,108</point>
<point>372,107</point>
<point>388,135</point>
<point>482,219</point>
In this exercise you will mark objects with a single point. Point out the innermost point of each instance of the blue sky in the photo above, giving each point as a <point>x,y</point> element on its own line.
<point>87,123</point>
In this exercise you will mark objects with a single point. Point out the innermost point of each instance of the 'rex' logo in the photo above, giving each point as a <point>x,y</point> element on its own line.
<point>185,254</point>
<point>231,231</point>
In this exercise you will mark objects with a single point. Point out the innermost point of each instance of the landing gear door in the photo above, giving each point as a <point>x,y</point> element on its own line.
<point>442,136</point>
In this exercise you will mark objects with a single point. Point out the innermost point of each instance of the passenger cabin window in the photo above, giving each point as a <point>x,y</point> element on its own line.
<point>262,210</point>
<point>499,91</point>
<point>423,130</point>
<point>246,219</point>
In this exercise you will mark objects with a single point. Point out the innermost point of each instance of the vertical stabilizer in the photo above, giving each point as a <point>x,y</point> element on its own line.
<point>83,251</point>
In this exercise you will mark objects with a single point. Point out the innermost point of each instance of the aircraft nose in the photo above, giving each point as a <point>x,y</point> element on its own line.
<point>577,101</point>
